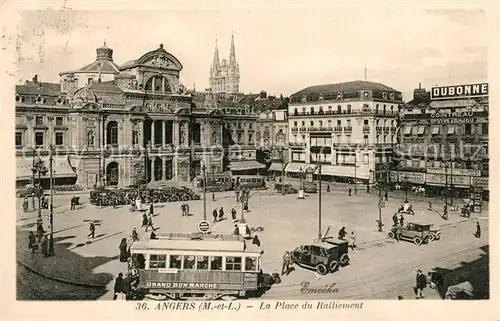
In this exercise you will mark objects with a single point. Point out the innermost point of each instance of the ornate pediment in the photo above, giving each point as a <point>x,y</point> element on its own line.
<point>160,61</point>
<point>84,95</point>
<point>91,107</point>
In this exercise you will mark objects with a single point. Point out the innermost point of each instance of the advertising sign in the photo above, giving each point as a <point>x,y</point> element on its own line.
<point>180,285</point>
<point>436,179</point>
<point>413,177</point>
<point>480,182</point>
<point>457,171</point>
<point>457,91</point>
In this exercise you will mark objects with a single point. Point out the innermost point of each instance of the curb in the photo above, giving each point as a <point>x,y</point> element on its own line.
<point>88,285</point>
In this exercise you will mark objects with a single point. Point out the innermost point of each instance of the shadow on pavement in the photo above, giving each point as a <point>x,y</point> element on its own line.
<point>65,264</point>
<point>476,272</point>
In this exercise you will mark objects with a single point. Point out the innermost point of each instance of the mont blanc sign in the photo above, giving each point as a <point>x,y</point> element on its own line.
<point>457,91</point>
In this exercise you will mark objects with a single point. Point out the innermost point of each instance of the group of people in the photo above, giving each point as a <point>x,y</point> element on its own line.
<point>398,224</point>
<point>33,243</point>
<point>185,209</point>
<point>343,234</point>
<point>434,279</point>
<point>218,216</point>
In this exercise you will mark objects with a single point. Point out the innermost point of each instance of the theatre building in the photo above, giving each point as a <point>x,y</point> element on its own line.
<point>117,124</point>
<point>444,138</point>
<point>350,128</point>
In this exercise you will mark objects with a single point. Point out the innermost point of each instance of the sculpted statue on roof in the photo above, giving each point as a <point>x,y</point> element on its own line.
<point>160,62</point>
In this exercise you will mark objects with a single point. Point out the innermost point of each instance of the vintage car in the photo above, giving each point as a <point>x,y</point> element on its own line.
<point>27,190</point>
<point>418,233</point>
<point>435,233</point>
<point>324,257</point>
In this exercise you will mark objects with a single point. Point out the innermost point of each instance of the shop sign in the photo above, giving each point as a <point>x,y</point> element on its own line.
<point>394,176</point>
<point>461,180</point>
<point>452,120</point>
<point>456,91</point>
<point>457,171</point>
<point>480,182</point>
<point>413,177</point>
<point>436,179</point>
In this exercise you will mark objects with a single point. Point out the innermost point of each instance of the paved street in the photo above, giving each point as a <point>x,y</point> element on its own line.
<point>287,223</point>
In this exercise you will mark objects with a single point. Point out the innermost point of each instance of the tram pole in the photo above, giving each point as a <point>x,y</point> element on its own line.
<point>213,187</point>
<point>319,202</point>
<point>204,169</point>
<point>51,241</point>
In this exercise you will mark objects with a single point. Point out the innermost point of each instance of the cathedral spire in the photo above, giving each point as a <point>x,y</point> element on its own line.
<point>216,63</point>
<point>232,53</point>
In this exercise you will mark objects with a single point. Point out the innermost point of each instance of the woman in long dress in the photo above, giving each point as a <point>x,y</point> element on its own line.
<point>123,250</point>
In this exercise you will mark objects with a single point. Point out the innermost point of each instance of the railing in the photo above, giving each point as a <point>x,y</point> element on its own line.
<point>295,129</point>
<point>297,144</point>
<point>337,129</point>
<point>378,128</point>
<point>366,129</point>
<point>320,129</point>
<point>348,129</point>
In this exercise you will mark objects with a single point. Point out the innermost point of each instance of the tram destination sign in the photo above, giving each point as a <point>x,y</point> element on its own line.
<point>459,91</point>
<point>181,285</point>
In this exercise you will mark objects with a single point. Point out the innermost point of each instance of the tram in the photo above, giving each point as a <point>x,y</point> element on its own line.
<point>197,267</point>
<point>228,182</point>
<point>250,181</point>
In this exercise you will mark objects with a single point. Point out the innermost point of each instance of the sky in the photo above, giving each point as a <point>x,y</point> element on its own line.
<point>279,49</point>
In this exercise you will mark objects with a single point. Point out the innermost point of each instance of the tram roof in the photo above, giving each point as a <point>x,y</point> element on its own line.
<point>195,245</point>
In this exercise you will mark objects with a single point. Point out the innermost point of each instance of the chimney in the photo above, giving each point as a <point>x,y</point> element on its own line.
<point>263,94</point>
<point>420,95</point>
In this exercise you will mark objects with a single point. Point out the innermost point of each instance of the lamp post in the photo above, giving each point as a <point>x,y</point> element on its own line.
<point>204,168</point>
<point>213,178</point>
<point>51,240</point>
<point>355,173</point>
<point>39,168</point>
<point>319,200</point>
<point>282,158</point>
<point>380,206</point>
<point>406,182</point>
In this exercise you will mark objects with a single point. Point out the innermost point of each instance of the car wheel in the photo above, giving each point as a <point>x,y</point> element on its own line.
<point>391,235</point>
<point>417,240</point>
<point>344,259</point>
<point>437,237</point>
<point>431,237</point>
<point>321,269</point>
<point>334,265</point>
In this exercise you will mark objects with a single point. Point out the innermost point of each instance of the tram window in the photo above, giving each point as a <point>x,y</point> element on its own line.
<point>233,263</point>
<point>250,264</point>
<point>216,263</point>
<point>157,261</point>
<point>202,263</point>
<point>189,261</point>
<point>175,261</point>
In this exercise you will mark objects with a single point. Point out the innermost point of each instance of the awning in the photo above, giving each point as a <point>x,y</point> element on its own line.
<point>298,167</point>
<point>407,130</point>
<point>245,165</point>
<point>60,167</point>
<point>421,130</point>
<point>343,171</point>
<point>451,130</point>
<point>435,130</point>
<point>276,167</point>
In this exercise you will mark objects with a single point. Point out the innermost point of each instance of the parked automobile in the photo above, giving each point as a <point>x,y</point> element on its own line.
<point>27,190</point>
<point>324,257</point>
<point>418,233</point>
<point>435,233</point>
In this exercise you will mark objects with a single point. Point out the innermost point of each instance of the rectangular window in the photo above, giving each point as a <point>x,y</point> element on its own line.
<point>295,111</point>
<point>89,81</point>
<point>329,123</point>
<point>239,137</point>
<point>365,122</point>
<point>451,130</point>
<point>365,139</point>
<point>407,130</point>
<point>175,261</point>
<point>189,262</point>
<point>157,261</point>
<point>484,129</point>
<point>250,264</point>
<point>320,123</point>
<point>383,109</point>
<point>19,139</point>
<point>39,120</point>
<point>295,124</point>
<point>38,139</point>
<point>348,109</point>
<point>303,123</point>
<point>250,138</point>
<point>216,263</point>
<point>435,130</point>
<point>421,130</point>
<point>59,139</point>
<point>366,159</point>
<point>312,123</point>
<point>312,110</point>
<point>339,123</point>
<point>339,109</point>
<point>59,121</point>
<point>233,263</point>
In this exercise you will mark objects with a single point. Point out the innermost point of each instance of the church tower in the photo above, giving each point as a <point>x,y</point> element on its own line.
<point>224,79</point>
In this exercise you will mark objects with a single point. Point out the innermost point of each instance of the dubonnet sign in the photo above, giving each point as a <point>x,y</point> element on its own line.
<point>457,91</point>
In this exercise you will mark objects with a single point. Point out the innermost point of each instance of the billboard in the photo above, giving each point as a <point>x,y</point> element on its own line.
<point>459,91</point>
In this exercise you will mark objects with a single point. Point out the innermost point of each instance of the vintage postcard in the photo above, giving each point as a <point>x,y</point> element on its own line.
<point>248,159</point>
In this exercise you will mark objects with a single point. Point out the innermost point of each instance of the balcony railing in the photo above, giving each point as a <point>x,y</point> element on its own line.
<point>348,129</point>
<point>292,144</point>
<point>320,129</point>
<point>294,129</point>
<point>366,129</point>
<point>337,129</point>
<point>386,129</point>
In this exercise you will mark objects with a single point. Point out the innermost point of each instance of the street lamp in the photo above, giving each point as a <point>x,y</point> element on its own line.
<point>213,178</point>
<point>380,205</point>
<point>319,198</point>
<point>51,240</point>
<point>281,152</point>
<point>204,168</point>
<point>406,182</point>
<point>39,168</point>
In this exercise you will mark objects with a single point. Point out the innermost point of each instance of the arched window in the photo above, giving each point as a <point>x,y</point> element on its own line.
<point>158,84</point>
<point>112,133</point>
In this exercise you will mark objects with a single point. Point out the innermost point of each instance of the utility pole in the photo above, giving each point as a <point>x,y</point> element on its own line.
<point>51,241</point>
<point>445,210</point>
<point>319,201</point>
<point>355,173</point>
<point>451,184</point>
<point>282,152</point>
<point>204,169</point>
<point>213,187</point>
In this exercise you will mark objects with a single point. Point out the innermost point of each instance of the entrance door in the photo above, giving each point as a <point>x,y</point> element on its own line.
<point>112,173</point>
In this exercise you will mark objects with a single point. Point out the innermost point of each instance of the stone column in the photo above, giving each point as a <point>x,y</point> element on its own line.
<point>151,174</point>
<point>163,130</point>
<point>152,133</point>
<point>163,84</point>
<point>175,133</point>
<point>164,169</point>
<point>153,83</point>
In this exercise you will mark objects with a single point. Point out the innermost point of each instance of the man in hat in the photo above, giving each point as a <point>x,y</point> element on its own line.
<point>91,229</point>
<point>214,214</point>
<point>395,220</point>
<point>135,235</point>
<point>421,284</point>
<point>342,233</point>
<point>478,230</point>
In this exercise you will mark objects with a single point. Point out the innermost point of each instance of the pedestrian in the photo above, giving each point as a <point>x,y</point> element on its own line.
<point>33,200</point>
<point>43,244</point>
<point>256,240</point>
<point>40,231</point>
<point>237,192</point>
<point>123,250</point>
<point>91,229</point>
<point>72,203</point>
<point>221,213</point>
<point>368,188</point>
<point>478,230</point>
<point>386,196</point>
<point>150,223</point>
<point>400,297</point>
<point>144,220</point>
<point>152,236</point>
<point>430,205</point>
<point>25,204</point>
<point>135,235</point>
<point>236,230</point>
<point>399,232</point>
<point>353,240</point>
<point>421,284</point>
<point>401,220</point>
<point>286,263</point>
<point>342,233</point>
<point>233,214</point>
<point>187,209</point>
<point>328,187</point>
<point>350,191</point>
<point>118,285</point>
<point>126,286</point>
<point>151,208</point>
<point>32,242</point>
<point>214,213</point>
<point>182,209</point>
<point>395,220</point>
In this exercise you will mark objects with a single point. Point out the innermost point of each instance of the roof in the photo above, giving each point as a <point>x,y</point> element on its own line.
<point>39,88</point>
<point>194,245</point>
<point>345,86</point>
<point>108,87</point>
<point>104,66</point>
